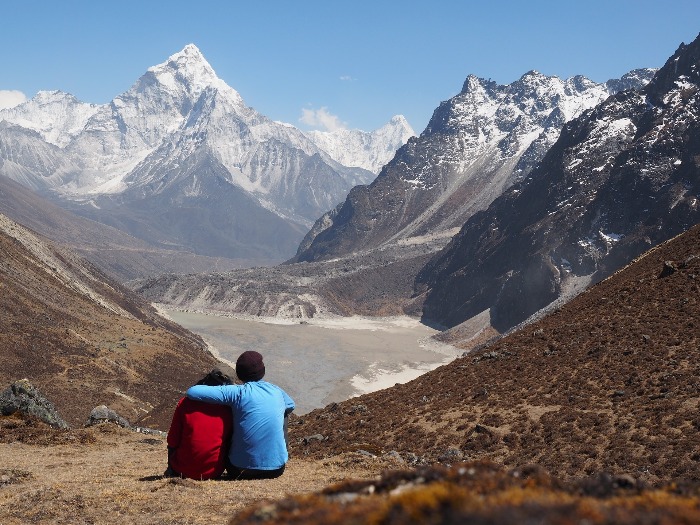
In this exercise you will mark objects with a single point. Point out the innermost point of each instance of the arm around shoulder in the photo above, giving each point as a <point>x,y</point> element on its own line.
<point>211,394</point>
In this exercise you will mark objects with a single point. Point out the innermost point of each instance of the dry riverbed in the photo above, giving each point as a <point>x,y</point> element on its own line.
<point>321,361</point>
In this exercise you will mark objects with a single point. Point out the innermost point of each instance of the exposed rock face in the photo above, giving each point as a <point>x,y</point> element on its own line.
<point>475,146</point>
<point>374,284</point>
<point>622,178</point>
<point>23,397</point>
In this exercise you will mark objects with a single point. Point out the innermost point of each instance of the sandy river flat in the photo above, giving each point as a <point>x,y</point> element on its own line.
<point>323,361</point>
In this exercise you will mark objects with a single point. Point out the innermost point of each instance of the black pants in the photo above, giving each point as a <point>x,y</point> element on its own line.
<point>249,473</point>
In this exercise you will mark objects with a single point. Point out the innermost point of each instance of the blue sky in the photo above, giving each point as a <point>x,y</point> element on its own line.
<point>314,63</point>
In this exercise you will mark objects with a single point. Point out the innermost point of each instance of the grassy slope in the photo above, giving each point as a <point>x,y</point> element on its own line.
<point>609,382</point>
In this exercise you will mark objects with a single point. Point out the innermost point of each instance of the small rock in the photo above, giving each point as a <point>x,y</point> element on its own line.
<point>413,459</point>
<point>104,414</point>
<point>357,408</point>
<point>394,456</point>
<point>451,455</point>
<point>668,269</point>
<point>625,481</point>
<point>150,431</point>
<point>618,393</point>
<point>314,437</point>
<point>151,441</point>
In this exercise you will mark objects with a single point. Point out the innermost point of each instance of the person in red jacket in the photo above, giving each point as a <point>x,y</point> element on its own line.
<point>200,434</point>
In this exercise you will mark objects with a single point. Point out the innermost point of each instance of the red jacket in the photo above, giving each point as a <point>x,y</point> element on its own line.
<point>200,433</point>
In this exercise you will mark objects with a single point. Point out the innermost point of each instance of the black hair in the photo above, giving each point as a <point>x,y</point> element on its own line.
<point>215,378</point>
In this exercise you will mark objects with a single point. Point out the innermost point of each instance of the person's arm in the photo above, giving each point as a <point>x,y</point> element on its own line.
<point>222,395</point>
<point>175,432</point>
<point>289,405</point>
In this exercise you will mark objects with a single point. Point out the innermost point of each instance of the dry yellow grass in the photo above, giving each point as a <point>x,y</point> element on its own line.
<point>111,475</point>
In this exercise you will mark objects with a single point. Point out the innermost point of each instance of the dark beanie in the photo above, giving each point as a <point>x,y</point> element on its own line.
<point>250,366</point>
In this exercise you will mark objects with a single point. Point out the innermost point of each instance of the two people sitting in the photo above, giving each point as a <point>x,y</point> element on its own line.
<point>220,426</point>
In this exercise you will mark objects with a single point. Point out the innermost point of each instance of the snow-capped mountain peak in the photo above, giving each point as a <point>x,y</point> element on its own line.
<point>57,116</point>
<point>476,145</point>
<point>367,150</point>
<point>189,70</point>
<point>125,131</point>
<point>474,84</point>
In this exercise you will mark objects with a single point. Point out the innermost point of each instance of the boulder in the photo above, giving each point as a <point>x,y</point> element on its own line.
<point>104,414</point>
<point>21,396</point>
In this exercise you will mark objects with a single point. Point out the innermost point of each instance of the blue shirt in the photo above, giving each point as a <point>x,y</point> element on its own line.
<point>258,421</point>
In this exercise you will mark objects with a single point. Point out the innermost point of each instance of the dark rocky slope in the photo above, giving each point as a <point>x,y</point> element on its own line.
<point>622,178</point>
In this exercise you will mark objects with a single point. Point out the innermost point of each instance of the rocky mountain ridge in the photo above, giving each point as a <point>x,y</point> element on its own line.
<point>368,248</point>
<point>621,178</point>
<point>476,145</point>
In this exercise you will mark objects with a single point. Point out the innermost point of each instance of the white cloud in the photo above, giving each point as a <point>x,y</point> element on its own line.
<point>321,118</point>
<point>11,98</point>
<point>347,78</point>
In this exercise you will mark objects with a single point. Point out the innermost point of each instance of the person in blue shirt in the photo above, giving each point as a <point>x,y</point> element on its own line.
<point>259,446</point>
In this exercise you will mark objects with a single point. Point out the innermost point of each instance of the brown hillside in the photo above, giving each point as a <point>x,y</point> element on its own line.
<point>608,382</point>
<point>83,340</point>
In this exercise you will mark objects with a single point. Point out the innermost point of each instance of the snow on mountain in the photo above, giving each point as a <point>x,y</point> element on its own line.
<point>27,158</point>
<point>368,150</point>
<point>276,164</point>
<point>181,131</point>
<point>179,101</point>
<point>122,133</point>
<point>476,145</point>
<point>58,117</point>
<point>622,178</point>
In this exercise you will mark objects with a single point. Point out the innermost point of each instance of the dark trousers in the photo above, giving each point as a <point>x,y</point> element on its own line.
<point>236,473</point>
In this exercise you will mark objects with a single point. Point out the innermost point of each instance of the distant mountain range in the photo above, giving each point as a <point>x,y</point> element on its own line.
<point>476,145</point>
<point>368,150</point>
<point>181,162</point>
<point>514,198</point>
